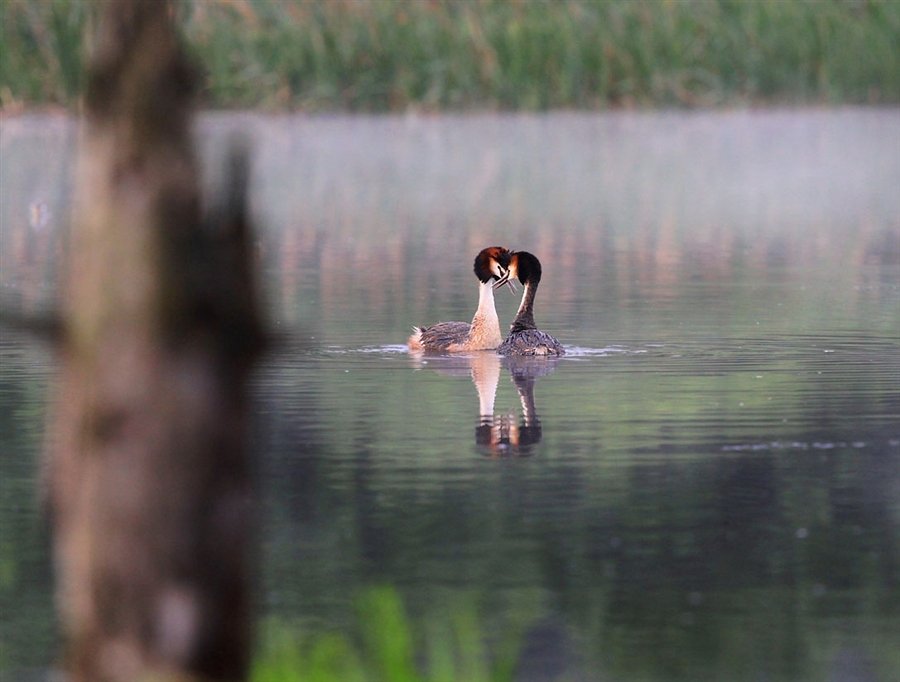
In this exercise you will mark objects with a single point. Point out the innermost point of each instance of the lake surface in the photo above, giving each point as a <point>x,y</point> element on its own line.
<point>706,487</point>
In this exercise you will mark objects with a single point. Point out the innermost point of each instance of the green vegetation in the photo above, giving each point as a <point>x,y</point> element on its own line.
<point>387,649</point>
<point>491,54</point>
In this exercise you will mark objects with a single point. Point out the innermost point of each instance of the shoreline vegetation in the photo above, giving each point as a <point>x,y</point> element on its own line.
<point>487,55</point>
<point>385,644</point>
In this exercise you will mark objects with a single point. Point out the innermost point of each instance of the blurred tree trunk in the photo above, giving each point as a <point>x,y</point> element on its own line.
<point>149,482</point>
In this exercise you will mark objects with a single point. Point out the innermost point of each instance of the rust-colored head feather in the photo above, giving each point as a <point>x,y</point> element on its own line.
<point>491,263</point>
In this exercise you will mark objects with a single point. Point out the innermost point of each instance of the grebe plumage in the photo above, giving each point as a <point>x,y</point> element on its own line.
<point>483,332</point>
<point>524,336</point>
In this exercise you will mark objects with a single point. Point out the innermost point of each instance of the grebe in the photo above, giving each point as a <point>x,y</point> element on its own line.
<point>483,333</point>
<point>524,336</point>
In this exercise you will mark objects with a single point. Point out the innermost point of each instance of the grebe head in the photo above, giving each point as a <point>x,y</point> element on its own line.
<point>491,263</point>
<point>524,266</point>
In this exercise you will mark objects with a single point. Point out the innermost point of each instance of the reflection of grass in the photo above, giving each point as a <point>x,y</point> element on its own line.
<point>388,648</point>
<point>494,54</point>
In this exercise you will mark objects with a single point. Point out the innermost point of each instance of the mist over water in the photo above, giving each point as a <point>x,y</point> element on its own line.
<point>707,485</point>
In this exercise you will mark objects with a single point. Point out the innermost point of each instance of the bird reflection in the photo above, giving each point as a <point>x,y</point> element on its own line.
<point>503,434</point>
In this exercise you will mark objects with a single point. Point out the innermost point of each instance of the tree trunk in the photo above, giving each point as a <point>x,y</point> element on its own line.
<point>150,491</point>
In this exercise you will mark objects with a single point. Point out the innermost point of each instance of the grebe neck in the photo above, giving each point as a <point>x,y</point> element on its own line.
<point>486,308</point>
<point>525,316</point>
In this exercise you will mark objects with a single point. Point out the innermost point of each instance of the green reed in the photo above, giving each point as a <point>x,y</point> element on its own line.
<point>41,51</point>
<point>491,54</point>
<point>387,647</point>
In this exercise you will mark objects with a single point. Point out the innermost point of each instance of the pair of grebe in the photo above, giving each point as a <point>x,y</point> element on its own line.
<point>494,267</point>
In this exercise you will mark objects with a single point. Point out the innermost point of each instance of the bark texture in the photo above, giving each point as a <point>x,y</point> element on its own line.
<point>149,481</point>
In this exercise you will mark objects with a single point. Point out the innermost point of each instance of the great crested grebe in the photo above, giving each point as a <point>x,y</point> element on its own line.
<point>483,333</point>
<point>524,336</point>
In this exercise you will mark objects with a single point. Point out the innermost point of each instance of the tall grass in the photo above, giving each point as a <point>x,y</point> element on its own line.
<point>41,54</point>
<point>387,648</point>
<point>492,54</point>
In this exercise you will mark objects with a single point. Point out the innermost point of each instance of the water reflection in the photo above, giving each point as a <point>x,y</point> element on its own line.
<point>498,434</point>
<point>502,435</point>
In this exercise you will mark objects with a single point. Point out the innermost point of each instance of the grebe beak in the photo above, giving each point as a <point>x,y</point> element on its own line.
<point>505,280</point>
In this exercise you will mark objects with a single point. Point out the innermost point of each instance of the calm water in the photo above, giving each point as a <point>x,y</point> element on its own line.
<point>707,487</point>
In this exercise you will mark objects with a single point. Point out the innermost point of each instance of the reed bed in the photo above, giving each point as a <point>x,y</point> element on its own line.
<point>397,55</point>
<point>386,645</point>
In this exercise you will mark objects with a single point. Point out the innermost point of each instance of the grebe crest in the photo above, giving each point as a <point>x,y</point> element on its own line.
<point>483,332</point>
